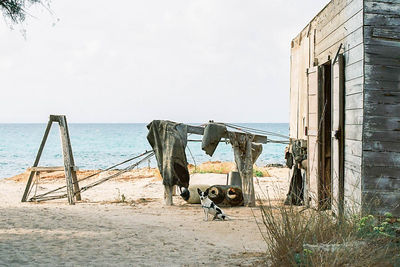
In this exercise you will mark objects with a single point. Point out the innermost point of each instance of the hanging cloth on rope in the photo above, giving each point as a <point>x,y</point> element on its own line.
<point>168,140</point>
<point>212,136</point>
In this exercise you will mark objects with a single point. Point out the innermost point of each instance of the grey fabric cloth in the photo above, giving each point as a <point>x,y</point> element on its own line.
<point>212,136</point>
<point>168,140</point>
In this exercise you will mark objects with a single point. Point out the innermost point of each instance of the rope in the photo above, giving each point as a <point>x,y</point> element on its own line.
<point>116,174</point>
<point>253,130</point>
<point>194,161</point>
<point>38,199</point>
<point>94,174</point>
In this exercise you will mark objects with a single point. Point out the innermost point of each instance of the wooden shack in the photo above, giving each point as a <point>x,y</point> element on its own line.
<point>345,105</point>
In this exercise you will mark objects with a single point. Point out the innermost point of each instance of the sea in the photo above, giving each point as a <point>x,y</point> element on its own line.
<point>98,146</point>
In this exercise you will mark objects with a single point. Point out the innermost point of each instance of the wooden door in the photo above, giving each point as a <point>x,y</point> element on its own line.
<point>312,183</point>
<point>337,137</point>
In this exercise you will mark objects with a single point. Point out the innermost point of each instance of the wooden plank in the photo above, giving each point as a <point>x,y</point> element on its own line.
<point>352,190</point>
<point>354,116</point>
<point>382,97</point>
<point>381,20</point>
<point>49,169</point>
<point>312,82</point>
<point>329,12</point>
<point>354,86</point>
<point>379,123</point>
<point>341,32</point>
<point>77,193</point>
<point>378,7</point>
<point>351,165</point>
<point>313,124</point>
<point>337,142</point>
<point>352,180</point>
<point>382,55</point>
<point>353,54</point>
<point>352,40</point>
<point>354,70</point>
<point>313,107</point>
<point>384,110</point>
<point>381,183</point>
<point>353,160</point>
<point>386,136</point>
<point>354,101</point>
<point>67,160</point>
<point>353,132</point>
<point>345,18</point>
<point>382,72</point>
<point>382,36</point>
<point>384,1</point>
<point>382,146</point>
<point>373,158</point>
<point>353,147</point>
<point>380,202</point>
<point>392,34</point>
<point>377,172</point>
<point>38,155</point>
<point>372,84</point>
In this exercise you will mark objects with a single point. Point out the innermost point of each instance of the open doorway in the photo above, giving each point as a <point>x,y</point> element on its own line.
<point>325,179</point>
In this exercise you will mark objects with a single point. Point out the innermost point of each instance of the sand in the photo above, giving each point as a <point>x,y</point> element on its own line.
<point>103,230</point>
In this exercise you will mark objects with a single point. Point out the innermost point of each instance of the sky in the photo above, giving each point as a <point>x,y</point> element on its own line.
<point>135,61</point>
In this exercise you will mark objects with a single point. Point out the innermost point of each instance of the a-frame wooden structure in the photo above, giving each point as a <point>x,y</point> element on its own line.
<point>73,191</point>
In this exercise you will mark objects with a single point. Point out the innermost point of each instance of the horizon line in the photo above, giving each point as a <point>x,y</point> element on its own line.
<point>69,122</point>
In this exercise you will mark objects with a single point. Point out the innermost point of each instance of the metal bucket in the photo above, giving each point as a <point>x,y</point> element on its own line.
<point>234,179</point>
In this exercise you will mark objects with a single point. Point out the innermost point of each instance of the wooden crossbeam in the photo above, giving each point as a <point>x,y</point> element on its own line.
<point>200,131</point>
<point>50,169</point>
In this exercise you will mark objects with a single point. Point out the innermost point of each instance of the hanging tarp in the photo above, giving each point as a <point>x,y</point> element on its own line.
<point>168,140</point>
<point>212,136</point>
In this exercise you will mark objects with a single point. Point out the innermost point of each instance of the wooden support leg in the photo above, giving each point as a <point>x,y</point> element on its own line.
<point>76,186</point>
<point>29,183</point>
<point>168,195</point>
<point>247,178</point>
<point>68,165</point>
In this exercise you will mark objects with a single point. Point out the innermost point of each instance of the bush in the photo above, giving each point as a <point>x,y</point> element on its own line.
<point>298,236</point>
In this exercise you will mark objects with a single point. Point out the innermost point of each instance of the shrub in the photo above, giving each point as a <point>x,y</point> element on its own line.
<point>298,236</point>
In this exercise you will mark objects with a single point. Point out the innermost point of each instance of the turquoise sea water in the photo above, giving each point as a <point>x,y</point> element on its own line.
<point>97,146</point>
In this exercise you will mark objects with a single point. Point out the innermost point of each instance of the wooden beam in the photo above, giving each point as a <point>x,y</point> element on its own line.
<point>50,169</point>
<point>200,131</point>
<point>67,159</point>
<point>28,184</point>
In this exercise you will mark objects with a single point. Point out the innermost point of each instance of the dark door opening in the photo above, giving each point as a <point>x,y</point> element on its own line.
<point>325,179</point>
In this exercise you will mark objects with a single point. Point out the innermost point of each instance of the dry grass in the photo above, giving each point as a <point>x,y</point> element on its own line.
<point>297,236</point>
<point>207,167</point>
<point>58,175</point>
<point>224,168</point>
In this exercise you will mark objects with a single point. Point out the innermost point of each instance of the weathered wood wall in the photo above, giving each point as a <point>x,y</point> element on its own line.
<point>381,145</point>
<point>340,22</point>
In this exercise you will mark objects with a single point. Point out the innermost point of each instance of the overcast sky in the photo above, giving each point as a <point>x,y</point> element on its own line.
<point>135,61</point>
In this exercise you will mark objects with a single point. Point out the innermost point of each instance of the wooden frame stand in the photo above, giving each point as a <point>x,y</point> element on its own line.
<point>73,192</point>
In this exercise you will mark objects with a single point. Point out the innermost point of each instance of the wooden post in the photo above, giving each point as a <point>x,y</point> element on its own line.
<point>241,145</point>
<point>29,183</point>
<point>65,142</point>
<point>65,138</point>
<point>168,195</point>
<point>69,164</point>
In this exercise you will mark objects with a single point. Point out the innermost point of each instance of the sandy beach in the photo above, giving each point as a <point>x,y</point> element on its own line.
<point>104,230</point>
